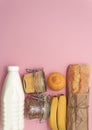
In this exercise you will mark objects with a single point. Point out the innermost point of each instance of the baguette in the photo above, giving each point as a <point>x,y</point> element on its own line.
<point>78,78</point>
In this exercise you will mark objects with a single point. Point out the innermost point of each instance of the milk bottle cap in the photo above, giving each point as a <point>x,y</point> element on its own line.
<point>13,68</point>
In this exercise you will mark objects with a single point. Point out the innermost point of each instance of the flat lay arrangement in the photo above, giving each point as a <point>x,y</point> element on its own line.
<point>28,98</point>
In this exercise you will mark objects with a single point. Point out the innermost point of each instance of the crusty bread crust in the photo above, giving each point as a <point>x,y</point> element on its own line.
<point>84,78</point>
<point>78,78</point>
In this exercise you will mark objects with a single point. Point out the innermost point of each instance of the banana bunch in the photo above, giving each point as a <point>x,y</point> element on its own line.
<point>57,119</point>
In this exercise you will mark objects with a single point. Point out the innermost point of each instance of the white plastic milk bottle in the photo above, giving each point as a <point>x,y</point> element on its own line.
<point>12,101</point>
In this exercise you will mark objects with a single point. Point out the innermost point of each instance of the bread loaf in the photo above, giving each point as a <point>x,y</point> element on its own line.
<point>78,97</point>
<point>78,78</point>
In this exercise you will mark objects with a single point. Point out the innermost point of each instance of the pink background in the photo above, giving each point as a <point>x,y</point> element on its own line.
<point>45,33</point>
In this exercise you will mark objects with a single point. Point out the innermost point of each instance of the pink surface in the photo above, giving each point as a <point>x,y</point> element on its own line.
<point>45,33</point>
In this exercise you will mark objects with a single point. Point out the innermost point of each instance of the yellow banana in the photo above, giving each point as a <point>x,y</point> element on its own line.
<point>53,114</point>
<point>61,113</point>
